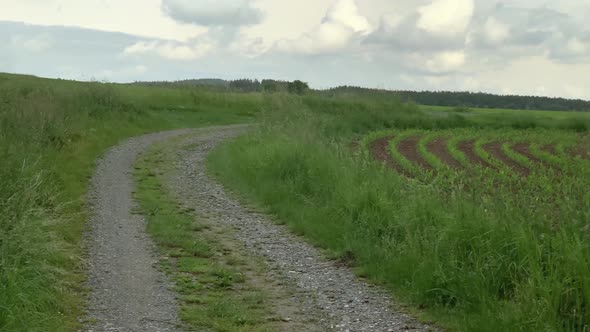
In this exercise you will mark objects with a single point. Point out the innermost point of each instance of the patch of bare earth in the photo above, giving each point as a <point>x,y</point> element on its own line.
<point>580,151</point>
<point>379,149</point>
<point>468,148</point>
<point>409,149</point>
<point>495,150</point>
<point>525,150</point>
<point>549,148</point>
<point>439,148</point>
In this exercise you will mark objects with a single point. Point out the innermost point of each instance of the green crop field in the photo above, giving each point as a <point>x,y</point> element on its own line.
<point>507,112</point>
<point>481,222</point>
<point>476,219</point>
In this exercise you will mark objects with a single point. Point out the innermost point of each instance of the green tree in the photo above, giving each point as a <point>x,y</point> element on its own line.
<point>298,87</point>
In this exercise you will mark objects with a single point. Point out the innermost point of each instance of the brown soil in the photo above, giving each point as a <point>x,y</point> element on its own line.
<point>468,148</point>
<point>354,145</point>
<point>549,148</point>
<point>380,151</point>
<point>580,151</point>
<point>525,150</point>
<point>439,148</point>
<point>495,149</point>
<point>409,149</point>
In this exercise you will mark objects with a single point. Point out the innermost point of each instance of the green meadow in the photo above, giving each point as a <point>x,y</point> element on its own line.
<point>475,248</point>
<point>472,249</point>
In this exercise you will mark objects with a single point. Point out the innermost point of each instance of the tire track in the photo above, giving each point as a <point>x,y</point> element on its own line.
<point>127,291</point>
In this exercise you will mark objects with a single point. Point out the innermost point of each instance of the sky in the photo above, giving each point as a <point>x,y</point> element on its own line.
<point>530,47</point>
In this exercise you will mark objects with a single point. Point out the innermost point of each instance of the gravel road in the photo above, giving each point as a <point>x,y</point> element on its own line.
<point>332,290</point>
<point>128,293</point>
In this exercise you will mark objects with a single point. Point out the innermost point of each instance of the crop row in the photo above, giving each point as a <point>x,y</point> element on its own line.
<point>423,154</point>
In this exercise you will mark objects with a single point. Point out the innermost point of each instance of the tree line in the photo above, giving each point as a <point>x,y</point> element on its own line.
<point>467,99</point>
<point>241,85</point>
<point>434,98</point>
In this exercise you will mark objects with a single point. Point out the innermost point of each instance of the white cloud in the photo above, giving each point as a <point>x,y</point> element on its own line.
<point>445,61</point>
<point>140,47</point>
<point>140,69</point>
<point>390,22</point>
<point>325,38</point>
<point>248,47</point>
<point>39,43</point>
<point>523,76</point>
<point>346,13</point>
<point>438,26</point>
<point>137,17</point>
<point>415,44</point>
<point>506,32</point>
<point>495,31</point>
<point>577,46</point>
<point>213,12</point>
<point>110,75</point>
<point>470,84</point>
<point>172,50</point>
<point>446,17</point>
<point>340,25</point>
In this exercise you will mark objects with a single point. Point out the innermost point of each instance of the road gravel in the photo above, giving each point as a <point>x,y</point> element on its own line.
<point>129,293</point>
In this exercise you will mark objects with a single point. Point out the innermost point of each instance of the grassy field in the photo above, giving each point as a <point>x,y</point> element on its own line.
<point>484,248</point>
<point>51,133</point>
<point>507,112</point>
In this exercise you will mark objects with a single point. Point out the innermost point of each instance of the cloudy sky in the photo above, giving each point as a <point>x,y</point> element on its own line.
<point>539,47</point>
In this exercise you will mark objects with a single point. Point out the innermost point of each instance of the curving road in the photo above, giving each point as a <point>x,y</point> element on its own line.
<point>130,294</point>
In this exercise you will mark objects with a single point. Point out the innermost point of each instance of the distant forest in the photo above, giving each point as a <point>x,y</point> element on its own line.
<point>432,98</point>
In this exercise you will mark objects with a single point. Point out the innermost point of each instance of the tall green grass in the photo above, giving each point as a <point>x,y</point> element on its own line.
<point>474,258</point>
<point>51,133</point>
<point>297,163</point>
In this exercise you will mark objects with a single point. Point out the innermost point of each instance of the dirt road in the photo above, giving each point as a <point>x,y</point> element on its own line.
<point>130,294</point>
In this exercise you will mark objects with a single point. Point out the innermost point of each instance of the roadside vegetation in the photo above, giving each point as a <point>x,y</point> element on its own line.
<point>479,250</point>
<point>483,247</point>
<point>51,133</point>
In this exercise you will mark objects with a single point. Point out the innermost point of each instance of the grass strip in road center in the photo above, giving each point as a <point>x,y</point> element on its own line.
<point>213,278</point>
